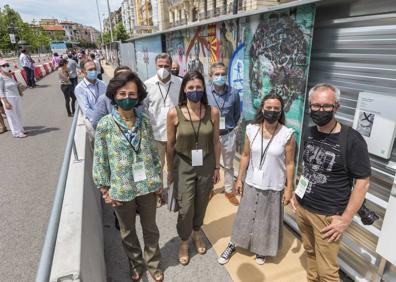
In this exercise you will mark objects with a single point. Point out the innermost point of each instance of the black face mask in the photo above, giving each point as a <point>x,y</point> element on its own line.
<point>321,118</point>
<point>271,116</point>
<point>175,72</point>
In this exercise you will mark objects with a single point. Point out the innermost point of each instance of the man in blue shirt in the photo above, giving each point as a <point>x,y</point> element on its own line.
<point>88,91</point>
<point>227,100</point>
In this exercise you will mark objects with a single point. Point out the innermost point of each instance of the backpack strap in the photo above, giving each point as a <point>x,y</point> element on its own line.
<point>345,129</point>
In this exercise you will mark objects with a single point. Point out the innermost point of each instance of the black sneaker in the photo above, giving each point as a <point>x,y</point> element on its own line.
<point>226,255</point>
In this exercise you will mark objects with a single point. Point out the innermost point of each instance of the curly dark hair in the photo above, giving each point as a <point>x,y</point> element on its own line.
<point>188,77</point>
<point>259,118</point>
<point>121,80</point>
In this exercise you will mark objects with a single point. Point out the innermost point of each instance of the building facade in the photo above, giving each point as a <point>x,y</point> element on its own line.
<point>183,12</point>
<point>128,16</point>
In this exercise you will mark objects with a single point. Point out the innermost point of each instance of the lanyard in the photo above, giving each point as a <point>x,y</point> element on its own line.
<point>323,140</point>
<point>133,147</point>
<point>97,87</point>
<point>167,92</point>
<point>263,154</point>
<point>196,133</point>
<point>218,105</point>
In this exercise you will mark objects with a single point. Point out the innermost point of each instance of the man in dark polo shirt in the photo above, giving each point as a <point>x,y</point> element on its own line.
<point>333,185</point>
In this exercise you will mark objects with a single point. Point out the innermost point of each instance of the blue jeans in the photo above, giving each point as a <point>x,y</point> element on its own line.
<point>30,77</point>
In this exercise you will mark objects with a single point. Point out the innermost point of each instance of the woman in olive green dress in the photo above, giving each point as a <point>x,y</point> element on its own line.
<point>193,154</point>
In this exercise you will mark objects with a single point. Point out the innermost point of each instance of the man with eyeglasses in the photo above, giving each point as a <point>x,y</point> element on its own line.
<point>226,99</point>
<point>333,184</point>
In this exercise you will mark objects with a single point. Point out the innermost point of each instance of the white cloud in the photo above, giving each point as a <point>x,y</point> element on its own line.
<point>80,11</point>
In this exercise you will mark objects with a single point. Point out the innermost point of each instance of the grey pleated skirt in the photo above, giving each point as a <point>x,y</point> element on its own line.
<point>259,221</point>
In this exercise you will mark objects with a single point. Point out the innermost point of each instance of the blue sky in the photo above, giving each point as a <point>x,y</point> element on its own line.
<point>80,11</point>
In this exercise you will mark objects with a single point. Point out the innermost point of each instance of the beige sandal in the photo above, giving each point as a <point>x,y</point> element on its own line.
<point>199,243</point>
<point>183,253</point>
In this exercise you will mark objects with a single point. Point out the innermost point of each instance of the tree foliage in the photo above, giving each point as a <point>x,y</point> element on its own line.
<point>120,33</point>
<point>10,19</point>
<point>106,37</point>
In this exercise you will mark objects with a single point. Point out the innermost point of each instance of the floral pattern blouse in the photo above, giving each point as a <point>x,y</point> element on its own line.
<point>114,156</point>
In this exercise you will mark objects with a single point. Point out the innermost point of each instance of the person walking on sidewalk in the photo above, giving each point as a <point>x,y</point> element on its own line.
<point>163,92</point>
<point>126,169</point>
<point>227,100</point>
<point>72,69</point>
<point>193,154</point>
<point>335,160</point>
<point>11,99</point>
<point>56,60</point>
<point>66,87</point>
<point>268,158</point>
<point>28,65</point>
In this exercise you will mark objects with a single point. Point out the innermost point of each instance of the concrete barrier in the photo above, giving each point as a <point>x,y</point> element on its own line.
<point>37,73</point>
<point>42,70</point>
<point>47,68</point>
<point>19,77</point>
<point>79,251</point>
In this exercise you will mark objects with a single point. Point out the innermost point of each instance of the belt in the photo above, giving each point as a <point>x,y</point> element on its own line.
<point>226,131</point>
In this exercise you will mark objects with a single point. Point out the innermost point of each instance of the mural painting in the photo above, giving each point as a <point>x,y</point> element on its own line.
<point>146,49</point>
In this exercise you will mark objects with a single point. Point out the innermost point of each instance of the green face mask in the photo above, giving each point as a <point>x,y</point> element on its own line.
<point>127,104</point>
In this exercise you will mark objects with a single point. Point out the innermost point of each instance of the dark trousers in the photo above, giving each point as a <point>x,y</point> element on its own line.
<point>68,93</point>
<point>30,77</point>
<point>74,82</point>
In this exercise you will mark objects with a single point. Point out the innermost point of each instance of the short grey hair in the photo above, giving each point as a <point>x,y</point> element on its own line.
<point>164,56</point>
<point>333,88</point>
<point>216,65</point>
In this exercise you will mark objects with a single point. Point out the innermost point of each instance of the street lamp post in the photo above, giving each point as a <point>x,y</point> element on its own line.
<point>111,23</point>
<point>100,23</point>
<point>13,36</point>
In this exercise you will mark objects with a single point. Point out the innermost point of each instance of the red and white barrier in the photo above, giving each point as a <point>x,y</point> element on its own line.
<point>19,77</point>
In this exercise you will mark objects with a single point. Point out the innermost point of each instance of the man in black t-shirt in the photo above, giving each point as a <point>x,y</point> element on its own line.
<point>334,156</point>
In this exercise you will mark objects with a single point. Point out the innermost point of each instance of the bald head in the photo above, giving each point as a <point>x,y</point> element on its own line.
<point>175,68</point>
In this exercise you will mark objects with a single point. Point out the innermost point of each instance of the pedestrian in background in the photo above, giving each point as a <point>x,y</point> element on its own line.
<point>11,100</point>
<point>56,60</point>
<point>126,169</point>
<point>3,127</point>
<point>268,163</point>
<point>28,65</point>
<point>193,154</point>
<point>163,93</point>
<point>226,99</point>
<point>98,66</point>
<point>72,69</point>
<point>66,87</point>
<point>333,185</point>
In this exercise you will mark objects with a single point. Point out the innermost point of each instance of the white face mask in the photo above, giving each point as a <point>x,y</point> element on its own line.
<point>163,73</point>
<point>5,69</point>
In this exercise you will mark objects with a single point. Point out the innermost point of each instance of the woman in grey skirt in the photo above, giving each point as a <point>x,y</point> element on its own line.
<point>268,162</point>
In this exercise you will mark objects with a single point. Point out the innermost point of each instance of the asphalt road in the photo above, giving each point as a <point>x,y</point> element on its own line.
<point>29,170</point>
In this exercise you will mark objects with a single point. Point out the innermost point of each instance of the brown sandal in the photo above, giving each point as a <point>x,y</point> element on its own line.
<point>183,253</point>
<point>199,243</point>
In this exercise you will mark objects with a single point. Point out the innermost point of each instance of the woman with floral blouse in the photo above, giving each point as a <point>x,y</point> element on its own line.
<point>127,169</point>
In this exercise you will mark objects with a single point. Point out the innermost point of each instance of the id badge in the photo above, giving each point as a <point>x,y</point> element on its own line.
<point>301,187</point>
<point>197,157</point>
<point>139,171</point>
<point>222,123</point>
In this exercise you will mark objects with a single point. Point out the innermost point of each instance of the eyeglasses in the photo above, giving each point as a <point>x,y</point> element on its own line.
<point>325,107</point>
<point>5,66</point>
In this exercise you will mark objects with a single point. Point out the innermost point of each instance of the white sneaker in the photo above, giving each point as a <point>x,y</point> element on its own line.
<point>260,260</point>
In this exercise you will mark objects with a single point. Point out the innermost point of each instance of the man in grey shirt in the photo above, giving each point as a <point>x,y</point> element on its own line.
<point>72,68</point>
